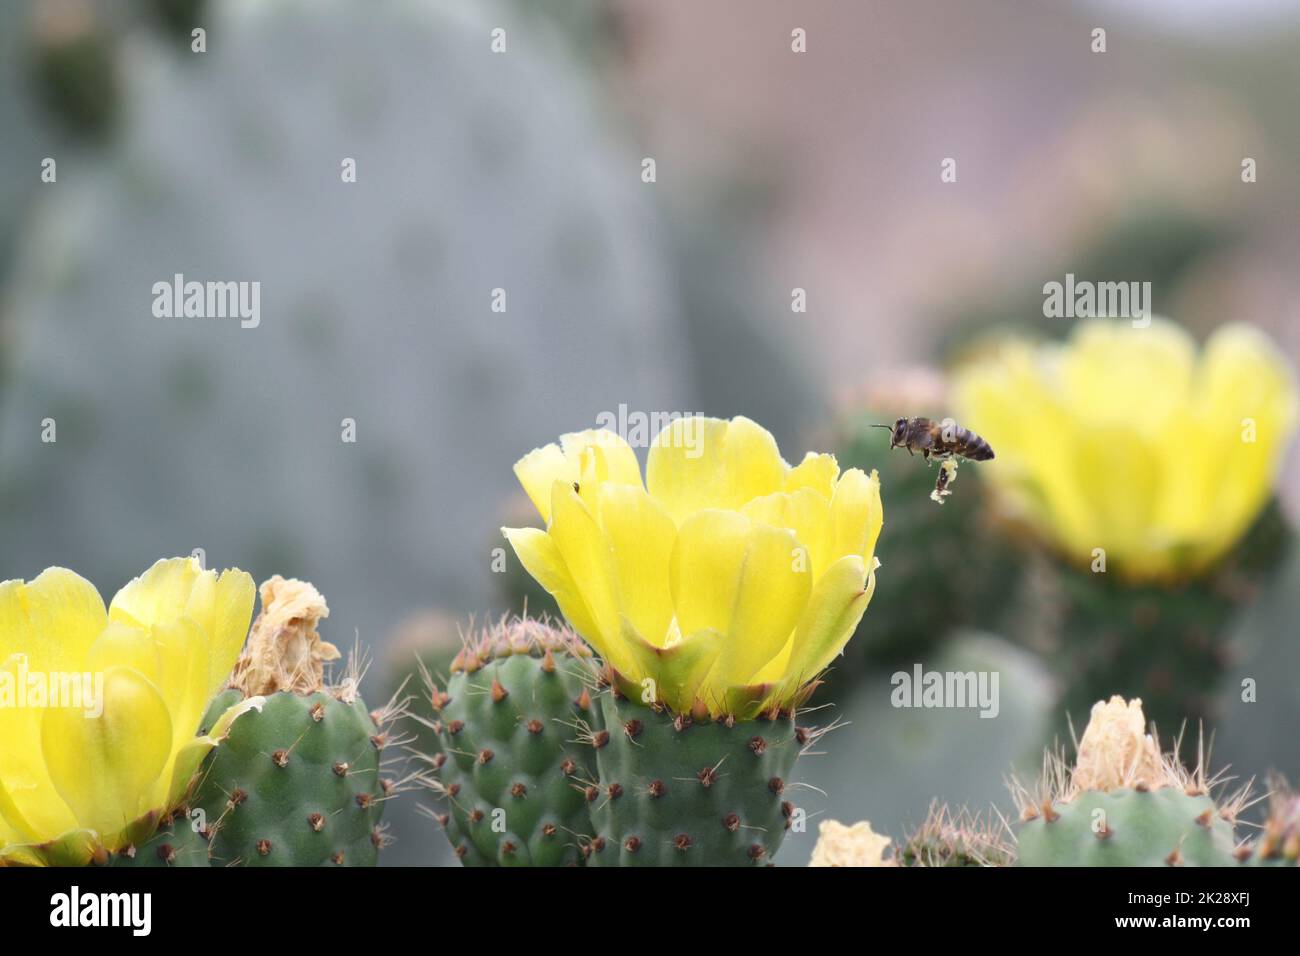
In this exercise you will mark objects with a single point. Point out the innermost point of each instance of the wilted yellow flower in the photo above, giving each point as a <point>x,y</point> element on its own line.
<point>1116,750</point>
<point>1126,439</point>
<point>858,845</point>
<point>99,708</point>
<point>730,579</point>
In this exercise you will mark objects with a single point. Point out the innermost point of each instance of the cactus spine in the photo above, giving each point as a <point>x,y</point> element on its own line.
<point>957,838</point>
<point>1279,844</point>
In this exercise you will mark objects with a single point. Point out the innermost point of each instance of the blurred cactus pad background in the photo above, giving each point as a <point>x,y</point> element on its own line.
<point>502,268</point>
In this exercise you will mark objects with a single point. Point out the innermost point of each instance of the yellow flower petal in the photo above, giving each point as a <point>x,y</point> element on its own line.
<point>1242,375</point>
<point>804,511</point>
<point>697,463</point>
<point>187,626</point>
<point>641,535</point>
<point>586,459</point>
<point>222,607</point>
<point>1142,368</point>
<point>36,798</point>
<point>758,585</point>
<point>52,621</point>
<point>836,606</point>
<point>541,557</point>
<point>541,468</point>
<point>8,833</point>
<point>704,571</point>
<point>179,588</point>
<point>102,765</point>
<point>160,594</point>
<point>588,556</point>
<point>184,681</point>
<point>775,581</point>
<point>856,516</point>
<point>46,628</point>
<point>124,645</point>
<point>602,456</point>
<point>816,472</point>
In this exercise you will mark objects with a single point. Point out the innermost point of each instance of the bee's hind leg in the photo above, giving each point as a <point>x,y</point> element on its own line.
<point>944,478</point>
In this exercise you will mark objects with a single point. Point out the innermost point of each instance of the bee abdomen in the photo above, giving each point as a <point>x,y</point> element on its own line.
<point>972,446</point>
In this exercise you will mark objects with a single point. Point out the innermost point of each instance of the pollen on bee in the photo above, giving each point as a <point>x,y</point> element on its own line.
<point>947,475</point>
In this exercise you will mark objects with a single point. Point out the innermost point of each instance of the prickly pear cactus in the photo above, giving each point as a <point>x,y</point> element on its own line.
<point>298,784</point>
<point>1124,803</point>
<point>299,781</point>
<point>675,792</point>
<point>1129,827</point>
<point>512,779</point>
<point>177,842</point>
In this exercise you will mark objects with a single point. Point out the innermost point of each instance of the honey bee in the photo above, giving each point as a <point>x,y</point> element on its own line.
<point>937,440</point>
<point>944,441</point>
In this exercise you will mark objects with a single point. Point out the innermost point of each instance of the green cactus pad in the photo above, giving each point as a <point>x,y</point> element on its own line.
<point>295,784</point>
<point>1166,826</point>
<point>678,793</point>
<point>510,772</point>
<point>176,843</point>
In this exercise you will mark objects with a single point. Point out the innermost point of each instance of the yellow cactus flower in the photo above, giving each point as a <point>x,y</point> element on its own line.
<point>99,709</point>
<point>1125,439</point>
<point>722,585</point>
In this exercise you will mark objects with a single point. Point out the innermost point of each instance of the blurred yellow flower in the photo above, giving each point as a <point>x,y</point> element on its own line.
<point>1125,439</point>
<point>729,578</point>
<point>99,708</point>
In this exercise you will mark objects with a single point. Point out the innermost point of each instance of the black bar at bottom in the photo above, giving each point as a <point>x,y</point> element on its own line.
<point>334,905</point>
